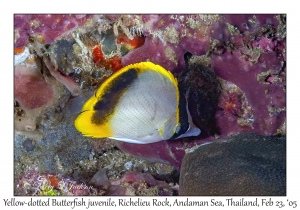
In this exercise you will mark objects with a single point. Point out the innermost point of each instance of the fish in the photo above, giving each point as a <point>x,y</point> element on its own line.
<point>141,104</point>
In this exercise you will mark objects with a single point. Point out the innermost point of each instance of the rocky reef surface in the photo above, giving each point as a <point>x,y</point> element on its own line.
<point>246,164</point>
<point>232,69</point>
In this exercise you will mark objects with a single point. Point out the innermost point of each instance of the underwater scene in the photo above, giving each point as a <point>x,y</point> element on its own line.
<point>149,105</point>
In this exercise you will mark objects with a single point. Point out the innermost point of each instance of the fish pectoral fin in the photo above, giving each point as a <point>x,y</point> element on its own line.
<point>167,129</point>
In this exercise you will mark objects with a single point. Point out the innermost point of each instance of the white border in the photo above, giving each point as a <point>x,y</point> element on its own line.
<point>216,6</point>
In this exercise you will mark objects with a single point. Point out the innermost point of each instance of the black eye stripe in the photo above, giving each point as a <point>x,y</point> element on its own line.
<point>112,95</point>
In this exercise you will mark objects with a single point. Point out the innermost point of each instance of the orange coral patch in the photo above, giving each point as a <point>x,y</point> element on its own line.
<point>54,181</point>
<point>19,50</point>
<point>97,54</point>
<point>136,42</point>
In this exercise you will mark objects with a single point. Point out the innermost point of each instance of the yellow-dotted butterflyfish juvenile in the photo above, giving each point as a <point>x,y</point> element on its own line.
<point>141,104</point>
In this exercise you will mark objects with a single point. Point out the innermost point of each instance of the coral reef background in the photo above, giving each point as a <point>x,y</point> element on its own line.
<point>232,69</point>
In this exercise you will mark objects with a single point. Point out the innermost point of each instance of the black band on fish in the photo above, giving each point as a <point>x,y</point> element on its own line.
<point>183,116</point>
<point>112,95</point>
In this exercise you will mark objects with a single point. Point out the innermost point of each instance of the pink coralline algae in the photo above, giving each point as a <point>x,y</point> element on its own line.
<point>265,43</point>
<point>156,52</point>
<point>45,28</point>
<point>265,123</point>
<point>31,89</point>
<point>32,93</point>
<point>168,37</point>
